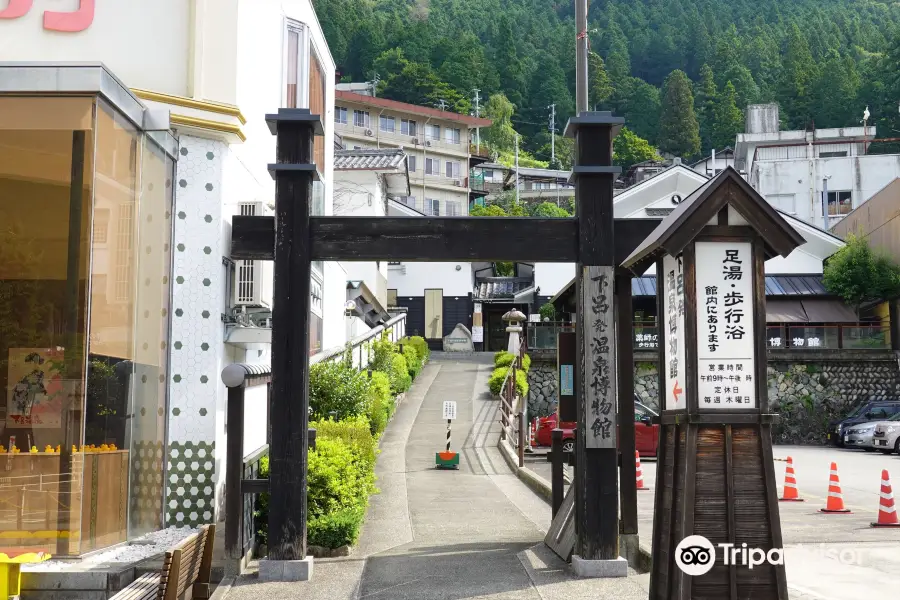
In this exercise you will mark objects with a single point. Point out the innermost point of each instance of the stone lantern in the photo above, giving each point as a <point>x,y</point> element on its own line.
<point>514,318</point>
<point>514,329</point>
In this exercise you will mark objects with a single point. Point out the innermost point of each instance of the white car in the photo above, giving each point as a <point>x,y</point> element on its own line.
<point>860,436</point>
<point>887,435</point>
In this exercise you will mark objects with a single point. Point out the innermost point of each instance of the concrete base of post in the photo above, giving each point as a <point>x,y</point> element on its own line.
<point>599,568</point>
<point>630,546</point>
<point>286,570</point>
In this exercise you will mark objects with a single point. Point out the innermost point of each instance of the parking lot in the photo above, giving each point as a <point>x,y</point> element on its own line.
<point>827,556</point>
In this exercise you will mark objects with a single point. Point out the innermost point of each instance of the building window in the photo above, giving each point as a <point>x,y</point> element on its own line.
<point>387,123</point>
<point>392,295</point>
<point>408,127</point>
<point>432,207</point>
<point>452,207</point>
<point>452,169</point>
<point>432,132</point>
<point>451,135</point>
<point>101,225</point>
<point>488,173</point>
<point>432,166</point>
<point>411,162</point>
<point>840,203</point>
<point>340,115</point>
<point>838,154</point>
<point>361,118</point>
<point>410,201</point>
<point>304,80</point>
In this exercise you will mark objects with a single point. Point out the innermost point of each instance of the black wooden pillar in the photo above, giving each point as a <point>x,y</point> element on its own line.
<point>596,474</point>
<point>625,341</point>
<point>294,174</point>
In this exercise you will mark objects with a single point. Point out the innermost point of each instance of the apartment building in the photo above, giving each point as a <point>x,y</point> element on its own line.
<point>436,142</point>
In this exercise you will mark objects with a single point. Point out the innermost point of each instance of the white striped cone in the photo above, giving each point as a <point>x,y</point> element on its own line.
<point>835,501</point>
<point>791,493</point>
<point>887,514</point>
<point>639,475</point>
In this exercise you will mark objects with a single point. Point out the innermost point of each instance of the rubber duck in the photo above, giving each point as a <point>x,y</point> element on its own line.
<point>48,449</point>
<point>15,450</point>
<point>57,448</point>
<point>2,449</point>
<point>104,448</point>
<point>112,448</point>
<point>34,450</point>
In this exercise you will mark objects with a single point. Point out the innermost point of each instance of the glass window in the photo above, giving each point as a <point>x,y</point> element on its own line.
<point>432,207</point>
<point>488,173</point>
<point>453,207</point>
<point>452,169</point>
<point>340,115</point>
<point>408,127</point>
<point>387,123</point>
<point>361,118</point>
<point>304,80</point>
<point>840,203</point>
<point>411,161</point>
<point>432,166</point>
<point>433,132</point>
<point>451,135</point>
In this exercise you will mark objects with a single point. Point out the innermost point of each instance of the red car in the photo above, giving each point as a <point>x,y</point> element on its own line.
<point>646,434</point>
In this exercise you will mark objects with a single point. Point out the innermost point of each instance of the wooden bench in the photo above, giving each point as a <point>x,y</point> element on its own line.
<point>185,567</point>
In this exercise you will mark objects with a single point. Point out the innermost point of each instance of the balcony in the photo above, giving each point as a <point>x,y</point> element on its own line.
<point>371,133</point>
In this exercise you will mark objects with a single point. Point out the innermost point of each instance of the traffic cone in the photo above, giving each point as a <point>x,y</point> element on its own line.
<point>887,514</point>
<point>639,476</point>
<point>835,502</point>
<point>790,484</point>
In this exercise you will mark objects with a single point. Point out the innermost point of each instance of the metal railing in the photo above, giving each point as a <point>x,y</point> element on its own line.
<point>360,346</point>
<point>513,409</point>
<point>855,336</point>
<point>542,336</point>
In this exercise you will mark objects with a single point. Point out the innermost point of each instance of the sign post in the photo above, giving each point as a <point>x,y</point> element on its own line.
<point>716,480</point>
<point>448,459</point>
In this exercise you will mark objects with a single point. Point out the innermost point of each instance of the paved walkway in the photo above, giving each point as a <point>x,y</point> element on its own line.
<point>472,533</point>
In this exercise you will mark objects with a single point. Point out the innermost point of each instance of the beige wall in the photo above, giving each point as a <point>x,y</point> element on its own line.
<point>878,219</point>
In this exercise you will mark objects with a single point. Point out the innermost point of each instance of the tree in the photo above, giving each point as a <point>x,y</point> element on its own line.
<point>705,98</point>
<point>679,132</point>
<point>796,79</point>
<point>629,149</point>
<point>835,92</point>
<point>599,85</point>
<point>509,66</point>
<point>549,210</point>
<point>491,210</point>
<point>500,135</point>
<point>639,104</point>
<point>858,274</point>
<point>565,152</point>
<point>729,119</point>
<point>417,84</point>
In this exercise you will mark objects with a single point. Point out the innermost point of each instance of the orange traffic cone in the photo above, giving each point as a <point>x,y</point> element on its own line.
<point>887,514</point>
<point>790,484</point>
<point>835,502</point>
<point>639,475</point>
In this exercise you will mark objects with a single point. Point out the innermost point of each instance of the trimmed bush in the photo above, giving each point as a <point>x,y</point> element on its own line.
<point>355,434</point>
<point>336,529</point>
<point>399,374</point>
<point>499,375</point>
<point>381,402</point>
<point>421,346</point>
<point>336,481</point>
<point>336,390</point>
<point>504,359</point>
<point>382,353</point>
<point>413,361</point>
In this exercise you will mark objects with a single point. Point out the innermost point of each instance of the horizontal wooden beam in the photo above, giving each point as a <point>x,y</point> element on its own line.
<point>431,239</point>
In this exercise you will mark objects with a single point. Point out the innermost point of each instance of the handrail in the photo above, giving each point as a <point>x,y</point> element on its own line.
<point>335,351</point>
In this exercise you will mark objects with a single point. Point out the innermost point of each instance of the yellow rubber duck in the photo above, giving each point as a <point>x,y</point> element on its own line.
<point>34,450</point>
<point>48,449</point>
<point>112,448</point>
<point>2,449</point>
<point>74,449</point>
<point>57,448</point>
<point>15,450</point>
<point>104,448</point>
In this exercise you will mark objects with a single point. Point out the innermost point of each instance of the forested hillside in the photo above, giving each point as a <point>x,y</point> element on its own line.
<point>680,71</point>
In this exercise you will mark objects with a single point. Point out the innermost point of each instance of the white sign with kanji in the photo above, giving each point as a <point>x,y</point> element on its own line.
<point>673,308</point>
<point>725,337</point>
<point>449,409</point>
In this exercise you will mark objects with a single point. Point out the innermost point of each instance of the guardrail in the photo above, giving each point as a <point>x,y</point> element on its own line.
<point>513,409</point>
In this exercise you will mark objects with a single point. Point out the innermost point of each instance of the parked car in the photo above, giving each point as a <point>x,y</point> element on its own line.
<point>646,433</point>
<point>874,410</point>
<point>860,436</point>
<point>887,435</point>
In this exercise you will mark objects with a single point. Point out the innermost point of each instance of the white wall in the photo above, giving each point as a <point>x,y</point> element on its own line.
<point>552,277</point>
<point>431,275</point>
<point>334,296</point>
<point>145,44</point>
<point>359,193</point>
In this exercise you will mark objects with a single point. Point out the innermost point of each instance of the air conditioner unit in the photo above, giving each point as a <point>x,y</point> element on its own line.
<point>457,183</point>
<point>416,141</point>
<point>369,132</point>
<point>428,143</point>
<point>253,278</point>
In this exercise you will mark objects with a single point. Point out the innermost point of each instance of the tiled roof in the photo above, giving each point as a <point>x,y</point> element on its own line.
<point>776,285</point>
<point>496,288</point>
<point>370,160</point>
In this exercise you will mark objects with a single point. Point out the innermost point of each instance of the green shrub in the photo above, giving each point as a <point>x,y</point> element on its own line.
<point>355,434</point>
<point>336,390</point>
<point>335,479</point>
<point>336,529</point>
<point>504,359</point>
<point>499,375</point>
<point>382,352</point>
<point>399,374</point>
<point>261,508</point>
<point>413,361</point>
<point>381,402</point>
<point>421,346</point>
<point>548,312</point>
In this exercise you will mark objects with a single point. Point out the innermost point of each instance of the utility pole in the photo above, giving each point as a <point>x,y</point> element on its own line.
<point>581,56</point>
<point>477,101</point>
<point>517,168</point>
<point>442,104</point>
<point>375,81</point>
<point>552,129</point>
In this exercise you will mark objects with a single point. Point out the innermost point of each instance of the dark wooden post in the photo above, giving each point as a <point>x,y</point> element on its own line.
<point>294,174</point>
<point>596,473</point>
<point>556,473</point>
<point>234,473</point>
<point>628,469</point>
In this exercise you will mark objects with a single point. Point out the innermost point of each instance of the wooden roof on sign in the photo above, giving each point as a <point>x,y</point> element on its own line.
<point>695,212</point>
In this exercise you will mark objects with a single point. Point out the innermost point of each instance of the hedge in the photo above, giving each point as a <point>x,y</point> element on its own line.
<point>337,390</point>
<point>504,359</point>
<point>399,374</point>
<point>419,343</point>
<point>413,361</point>
<point>381,402</point>
<point>499,375</point>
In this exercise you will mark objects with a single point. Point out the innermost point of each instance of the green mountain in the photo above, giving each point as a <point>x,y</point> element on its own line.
<point>823,61</point>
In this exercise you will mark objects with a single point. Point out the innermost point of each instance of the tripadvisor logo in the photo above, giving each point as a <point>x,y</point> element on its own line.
<point>696,555</point>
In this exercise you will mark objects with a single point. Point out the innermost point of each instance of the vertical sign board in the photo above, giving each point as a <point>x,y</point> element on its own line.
<point>673,306</point>
<point>565,368</point>
<point>725,336</point>
<point>599,340</point>
<point>449,409</point>
<point>477,324</point>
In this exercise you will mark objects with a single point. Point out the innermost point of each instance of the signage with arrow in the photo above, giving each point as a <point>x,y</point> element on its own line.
<point>677,391</point>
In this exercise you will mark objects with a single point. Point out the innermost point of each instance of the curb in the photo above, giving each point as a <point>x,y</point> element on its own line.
<point>641,562</point>
<point>223,588</point>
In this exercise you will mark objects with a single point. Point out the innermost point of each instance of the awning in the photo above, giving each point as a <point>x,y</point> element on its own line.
<point>828,311</point>
<point>785,311</point>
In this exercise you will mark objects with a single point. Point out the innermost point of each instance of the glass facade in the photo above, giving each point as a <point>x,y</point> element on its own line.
<point>85,229</point>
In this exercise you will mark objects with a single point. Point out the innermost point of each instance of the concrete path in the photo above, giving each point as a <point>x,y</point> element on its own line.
<point>447,535</point>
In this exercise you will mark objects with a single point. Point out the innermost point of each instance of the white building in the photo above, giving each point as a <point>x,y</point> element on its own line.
<point>819,176</point>
<point>200,92</point>
<point>714,163</point>
<point>436,142</point>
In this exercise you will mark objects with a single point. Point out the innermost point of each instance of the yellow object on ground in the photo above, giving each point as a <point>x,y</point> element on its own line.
<point>10,575</point>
